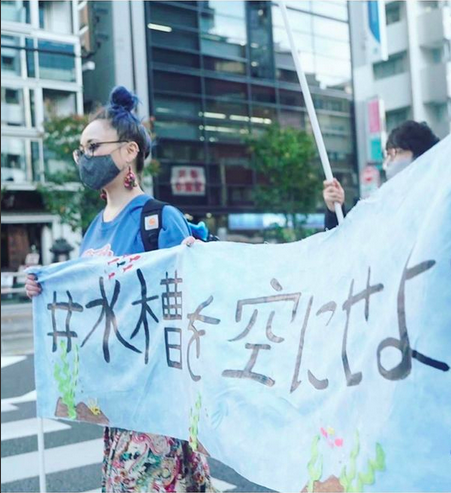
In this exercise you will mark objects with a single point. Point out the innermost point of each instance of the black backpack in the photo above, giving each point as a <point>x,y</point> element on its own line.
<point>152,223</point>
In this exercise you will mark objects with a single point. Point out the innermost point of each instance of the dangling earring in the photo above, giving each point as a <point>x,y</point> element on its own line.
<point>103,195</point>
<point>130,180</point>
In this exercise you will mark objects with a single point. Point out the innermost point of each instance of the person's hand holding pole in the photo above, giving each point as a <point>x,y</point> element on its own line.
<point>333,193</point>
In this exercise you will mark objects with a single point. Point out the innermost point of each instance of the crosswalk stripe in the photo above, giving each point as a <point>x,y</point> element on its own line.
<point>11,360</point>
<point>9,404</point>
<point>6,407</point>
<point>29,427</point>
<point>57,459</point>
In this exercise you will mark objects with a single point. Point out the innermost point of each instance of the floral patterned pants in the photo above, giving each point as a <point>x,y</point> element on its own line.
<point>138,462</point>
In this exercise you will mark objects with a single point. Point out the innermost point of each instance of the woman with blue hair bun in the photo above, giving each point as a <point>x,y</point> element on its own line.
<point>110,158</point>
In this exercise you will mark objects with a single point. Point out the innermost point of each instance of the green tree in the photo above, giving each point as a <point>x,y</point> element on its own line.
<point>62,191</point>
<point>284,158</point>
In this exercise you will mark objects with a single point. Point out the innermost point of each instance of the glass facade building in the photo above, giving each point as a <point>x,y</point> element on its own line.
<point>41,77</point>
<point>220,71</point>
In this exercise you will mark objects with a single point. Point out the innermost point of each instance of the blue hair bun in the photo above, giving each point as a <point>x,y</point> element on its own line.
<point>122,97</point>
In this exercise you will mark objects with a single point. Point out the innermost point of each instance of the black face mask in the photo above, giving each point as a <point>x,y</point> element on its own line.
<point>97,171</point>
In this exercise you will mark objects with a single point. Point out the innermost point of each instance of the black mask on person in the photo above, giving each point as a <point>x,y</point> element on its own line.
<point>97,171</point>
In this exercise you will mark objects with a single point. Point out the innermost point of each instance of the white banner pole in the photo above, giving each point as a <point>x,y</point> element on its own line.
<point>41,452</point>
<point>310,107</point>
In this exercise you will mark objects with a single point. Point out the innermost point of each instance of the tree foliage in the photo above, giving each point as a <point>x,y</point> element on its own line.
<point>289,178</point>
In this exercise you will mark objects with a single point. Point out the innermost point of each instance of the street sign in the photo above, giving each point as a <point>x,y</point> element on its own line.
<point>369,181</point>
<point>188,180</point>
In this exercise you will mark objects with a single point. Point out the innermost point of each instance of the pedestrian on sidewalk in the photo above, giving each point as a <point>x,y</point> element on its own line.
<point>113,148</point>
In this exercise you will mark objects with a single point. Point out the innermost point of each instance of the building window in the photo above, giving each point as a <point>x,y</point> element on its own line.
<point>232,9</point>
<point>164,15</point>
<point>176,39</point>
<point>222,65</point>
<point>181,151</point>
<point>396,64</point>
<point>430,5</point>
<point>332,124</point>
<point>332,48</point>
<point>329,28</point>
<point>220,47</point>
<point>58,103</point>
<point>335,9</point>
<point>447,51</point>
<point>441,112</point>
<point>36,160</point>
<point>56,61</point>
<point>225,89</point>
<point>228,155</point>
<point>165,81</point>
<point>338,144</point>
<point>435,55</point>
<point>227,111</point>
<point>239,196</point>
<point>14,162</point>
<point>282,44</point>
<point>16,11</point>
<point>300,21</point>
<point>394,118</point>
<point>178,58</point>
<point>303,29</point>
<point>295,119</point>
<point>174,106</point>
<point>239,175</point>
<point>225,29</point>
<point>13,110</point>
<point>178,130</point>
<point>287,75</point>
<point>33,107</point>
<point>221,132</point>
<point>11,55</point>
<point>31,57</point>
<point>291,98</point>
<point>263,94</point>
<point>263,115</point>
<point>333,73</point>
<point>393,12</point>
<point>56,16</point>
<point>331,104</point>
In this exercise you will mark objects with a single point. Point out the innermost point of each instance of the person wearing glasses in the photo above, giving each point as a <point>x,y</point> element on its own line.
<point>404,144</point>
<point>113,148</point>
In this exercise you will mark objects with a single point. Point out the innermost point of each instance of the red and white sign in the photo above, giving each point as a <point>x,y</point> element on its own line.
<point>188,180</point>
<point>370,180</point>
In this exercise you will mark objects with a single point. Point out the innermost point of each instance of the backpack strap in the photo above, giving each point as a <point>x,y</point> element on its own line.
<point>151,223</point>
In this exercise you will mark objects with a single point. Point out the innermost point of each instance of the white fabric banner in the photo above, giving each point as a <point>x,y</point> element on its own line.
<point>321,361</point>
